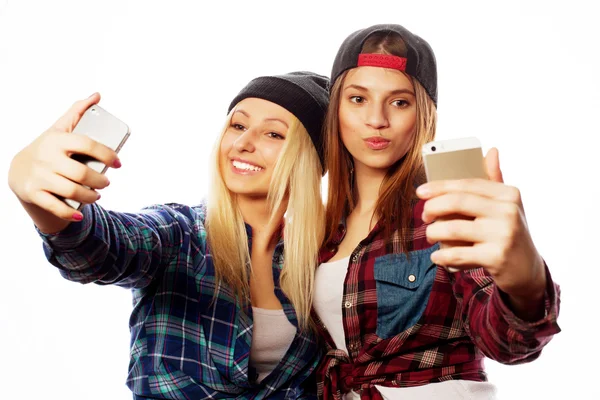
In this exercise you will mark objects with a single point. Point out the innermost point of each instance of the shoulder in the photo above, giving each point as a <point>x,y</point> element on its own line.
<point>195,214</point>
<point>189,220</point>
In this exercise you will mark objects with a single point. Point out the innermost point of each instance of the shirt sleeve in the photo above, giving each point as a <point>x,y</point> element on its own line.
<point>125,249</point>
<point>494,328</point>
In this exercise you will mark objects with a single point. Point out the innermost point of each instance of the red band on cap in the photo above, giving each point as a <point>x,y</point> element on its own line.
<point>382,60</point>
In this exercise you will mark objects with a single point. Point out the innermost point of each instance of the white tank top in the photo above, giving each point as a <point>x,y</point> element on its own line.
<point>329,291</point>
<point>272,335</point>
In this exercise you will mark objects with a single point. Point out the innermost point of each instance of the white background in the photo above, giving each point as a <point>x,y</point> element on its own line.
<point>521,76</point>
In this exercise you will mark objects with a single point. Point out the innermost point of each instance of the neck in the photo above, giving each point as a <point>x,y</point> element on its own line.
<point>255,211</point>
<point>367,182</point>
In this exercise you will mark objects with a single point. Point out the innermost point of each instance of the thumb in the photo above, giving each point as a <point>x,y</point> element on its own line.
<point>69,120</point>
<point>492,164</point>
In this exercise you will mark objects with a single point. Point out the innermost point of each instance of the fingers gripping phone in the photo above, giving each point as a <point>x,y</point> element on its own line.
<point>454,159</point>
<point>104,128</point>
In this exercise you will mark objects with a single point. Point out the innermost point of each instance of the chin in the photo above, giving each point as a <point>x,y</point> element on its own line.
<point>378,163</point>
<point>237,188</point>
<point>243,189</point>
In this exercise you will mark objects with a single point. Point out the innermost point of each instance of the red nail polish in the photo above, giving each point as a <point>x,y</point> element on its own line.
<point>98,197</point>
<point>78,217</point>
<point>117,164</point>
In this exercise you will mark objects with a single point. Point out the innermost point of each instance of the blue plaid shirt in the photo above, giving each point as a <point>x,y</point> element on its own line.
<point>184,345</point>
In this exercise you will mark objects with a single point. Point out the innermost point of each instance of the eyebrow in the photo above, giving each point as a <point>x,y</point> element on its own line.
<point>265,120</point>
<point>242,112</point>
<point>393,92</point>
<point>277,120</point>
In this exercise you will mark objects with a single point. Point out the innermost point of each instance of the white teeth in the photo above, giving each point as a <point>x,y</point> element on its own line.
<point>244,166</point>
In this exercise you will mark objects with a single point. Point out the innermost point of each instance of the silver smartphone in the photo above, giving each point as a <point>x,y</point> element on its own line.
<point>454,159</point>
<point>105,128</point>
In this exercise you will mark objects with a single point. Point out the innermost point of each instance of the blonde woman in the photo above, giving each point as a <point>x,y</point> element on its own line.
<point>398,326</point>
<point>221,305</point>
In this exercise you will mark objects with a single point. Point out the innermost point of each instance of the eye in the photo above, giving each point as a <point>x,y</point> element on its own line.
<point>275,135</point>
<point>238,127</point>
<point>357,99</point>
<point>400,103</point>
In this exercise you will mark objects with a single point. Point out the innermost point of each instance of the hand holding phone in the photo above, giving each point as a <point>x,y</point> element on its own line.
<point>495,236</point>
<point>454,159</point>
<point>101,126</point>
<point>45,171</point>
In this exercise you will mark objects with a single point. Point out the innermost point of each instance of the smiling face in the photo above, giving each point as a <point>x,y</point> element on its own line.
<point>251,146</point>
<point>377,116</point>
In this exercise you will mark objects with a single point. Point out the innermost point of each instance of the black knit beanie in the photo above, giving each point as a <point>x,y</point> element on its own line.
<point>419,61</point>
<point>302,93</point>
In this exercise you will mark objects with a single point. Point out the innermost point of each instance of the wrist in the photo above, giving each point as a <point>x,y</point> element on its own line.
<point>46,222</point>
<point>528,302</point>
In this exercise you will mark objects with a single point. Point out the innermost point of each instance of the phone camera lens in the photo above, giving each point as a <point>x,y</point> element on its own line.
<point>432,148</point>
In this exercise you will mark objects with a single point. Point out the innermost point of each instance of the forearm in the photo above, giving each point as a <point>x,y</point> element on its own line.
<point>491,321</point>
<point>116,248</point>
<point>106,248</point>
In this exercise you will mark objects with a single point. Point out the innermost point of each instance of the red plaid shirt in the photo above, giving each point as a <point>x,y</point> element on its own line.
<point>409,323</point>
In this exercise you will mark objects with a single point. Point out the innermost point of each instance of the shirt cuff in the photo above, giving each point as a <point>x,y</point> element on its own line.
<point>73,235</point>
<point>551,307</point>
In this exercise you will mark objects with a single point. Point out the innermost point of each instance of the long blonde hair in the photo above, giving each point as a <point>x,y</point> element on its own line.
<point>397,191</point>
<point>295,185</point>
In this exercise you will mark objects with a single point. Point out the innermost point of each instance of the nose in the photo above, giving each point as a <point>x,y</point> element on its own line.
<point>245,141</point>
<point>376,116</point>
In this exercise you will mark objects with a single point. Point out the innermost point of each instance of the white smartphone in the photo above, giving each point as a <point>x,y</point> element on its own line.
<point>454,159</point>
<point>104,128</point>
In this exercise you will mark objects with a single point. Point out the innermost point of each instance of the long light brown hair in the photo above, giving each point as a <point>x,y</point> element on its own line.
<point>397,191</point>
<point>295,186</point>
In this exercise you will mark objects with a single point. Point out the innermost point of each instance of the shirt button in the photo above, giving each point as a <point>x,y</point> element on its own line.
<point>347,304</point>
<point>412,278</point>
<point>354,258</point>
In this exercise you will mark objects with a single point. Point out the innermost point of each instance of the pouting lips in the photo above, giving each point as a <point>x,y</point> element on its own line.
<point>377,143</point>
